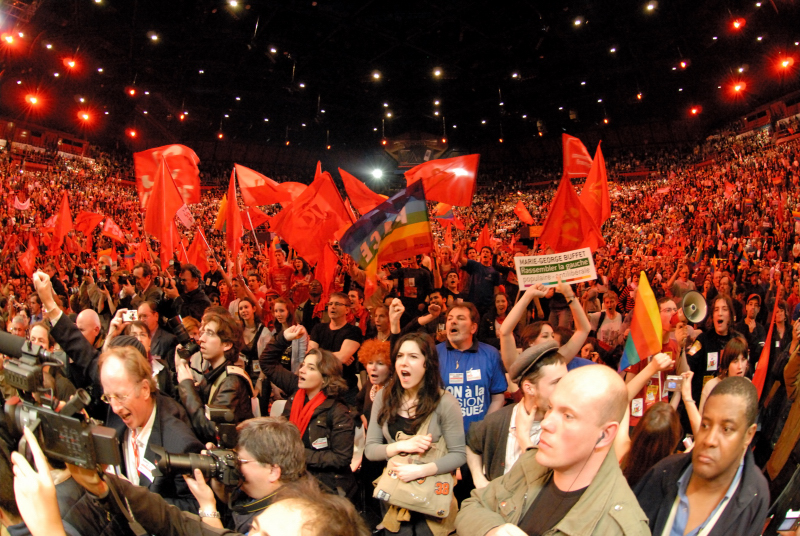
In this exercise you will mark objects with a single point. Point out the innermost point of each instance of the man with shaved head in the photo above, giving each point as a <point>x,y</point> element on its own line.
<point>572,483</point>
<point>88,321</point>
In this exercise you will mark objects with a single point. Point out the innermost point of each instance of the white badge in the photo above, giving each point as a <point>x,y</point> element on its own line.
<point>474,375</point>
<point>456,377</point>
<point>712,360</point>
<point>637,407</point>
<point>777,344</point>
<point>321,443</point>
<point>146,468</point>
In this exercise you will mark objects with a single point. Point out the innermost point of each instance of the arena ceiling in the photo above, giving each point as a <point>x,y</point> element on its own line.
<point>350,71</point>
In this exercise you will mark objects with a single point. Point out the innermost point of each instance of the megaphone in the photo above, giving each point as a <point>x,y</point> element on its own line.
<point>694,307</point>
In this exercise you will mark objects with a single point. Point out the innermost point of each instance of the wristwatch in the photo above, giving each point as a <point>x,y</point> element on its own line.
<point>208,513</point>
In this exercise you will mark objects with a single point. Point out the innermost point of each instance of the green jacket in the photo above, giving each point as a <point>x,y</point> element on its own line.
<point>608,506</point>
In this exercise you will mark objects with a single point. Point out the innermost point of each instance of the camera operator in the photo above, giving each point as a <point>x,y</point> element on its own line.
<point>145,288</point>
<point>191,301</point>
<point>224,385</point>
<point>293,507</point>
<point>144,417</point>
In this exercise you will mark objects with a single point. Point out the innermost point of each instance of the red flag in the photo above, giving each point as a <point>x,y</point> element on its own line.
<point>484,240</point>
<point>729,189</point>
<point>252,217</point>
<point>577,161</point>
<point>10,244</point>
<point>362,198</point>
<point>258,189</point>
<point>459,224</point>
<point>568,225</point>
<point>760,375</point>
<point>182,164</point>
<point>63,225</point>
<point>112,230</point>
<point>197,252</point>
<point>451,180</point>
<point>594,195</point>
<point>233,221</point>
<point>313,218</point>
<point>294,189</point>
<point>324,272</point>
<point>448,236</point>
<point>142,253</point>
<point>522,213</point>
<point>159,219</point>
<point>441,209</point>
<point>27,260</point>
<point>87,221</point>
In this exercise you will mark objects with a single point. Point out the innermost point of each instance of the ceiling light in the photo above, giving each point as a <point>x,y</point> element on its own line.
<point>273,50</point>
<point>524,116</point>
<point>514,75</point>
<point>302,124</point>
<point>483,122</point>
<point>578,21</point>
<point>238,98</point>
<point>377,173</point>
<point>233,3</point>
<point>81,99</point>
<point>56,75</point>
<point>436,112</point>
<point>48,46</point>
<point>583,83</point>
<point>322,111</point>
<point>599,100</point>
<point>302,84</point>
<point>388,114</point>
<point>759,38</point>
<point>455,126</point>
<point>146,92</point>
<point>19,82</point>
<point>201,71</point>
<point>613,49</point>
<point>437,72</point>
<point>714,38</point>
<point>266,120</point>
<point>376,75</point>
<point>100,70</point>
<point>375,129</point>
<point>145,112</point>
<point>436,103</point>
<point>651,6</point>
<point>385,104</point>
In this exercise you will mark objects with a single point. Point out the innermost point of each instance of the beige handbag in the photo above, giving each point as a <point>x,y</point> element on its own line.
<point>432,495</point>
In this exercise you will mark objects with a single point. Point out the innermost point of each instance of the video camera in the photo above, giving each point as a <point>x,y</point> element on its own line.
<point>62,434</point>
<point>189,345</point>
<point>220,464</point>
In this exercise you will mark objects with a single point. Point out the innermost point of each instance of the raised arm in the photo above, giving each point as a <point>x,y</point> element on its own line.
<point>508,346</point>
<point>573,346</point>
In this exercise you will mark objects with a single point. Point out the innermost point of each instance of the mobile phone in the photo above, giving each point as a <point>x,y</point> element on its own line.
<point>130,316</point>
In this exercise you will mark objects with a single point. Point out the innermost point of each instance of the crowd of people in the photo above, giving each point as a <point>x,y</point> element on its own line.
<point>448,400</point>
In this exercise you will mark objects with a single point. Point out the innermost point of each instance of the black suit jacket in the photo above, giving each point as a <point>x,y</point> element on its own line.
<point>171,432</point>
<point>163,345</point>
<point>744,515</point>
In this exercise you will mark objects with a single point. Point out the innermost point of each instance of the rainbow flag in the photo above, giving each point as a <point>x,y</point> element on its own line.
<point>396,229</point>
<point>644,339</point>
<point>796,215</point>
<point>748,203</point>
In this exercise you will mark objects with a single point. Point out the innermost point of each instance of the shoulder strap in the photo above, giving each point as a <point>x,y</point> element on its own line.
<point>230,369</point>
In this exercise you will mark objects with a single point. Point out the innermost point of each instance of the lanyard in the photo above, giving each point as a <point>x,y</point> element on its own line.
<point>706,528</point>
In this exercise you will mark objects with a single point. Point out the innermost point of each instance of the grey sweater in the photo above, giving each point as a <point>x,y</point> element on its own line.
<point>446,421</point>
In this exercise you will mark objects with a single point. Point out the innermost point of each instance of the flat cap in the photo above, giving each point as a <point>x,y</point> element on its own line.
<point>529,357</point>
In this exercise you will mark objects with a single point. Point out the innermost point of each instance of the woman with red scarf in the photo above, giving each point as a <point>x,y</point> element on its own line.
<point>325,422</point>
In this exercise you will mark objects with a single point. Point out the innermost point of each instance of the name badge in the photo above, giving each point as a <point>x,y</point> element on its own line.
<point>321,443</point>
<point>637,407</point>
<point>456,377</point>
<point>777,344</point>
<point>712,361</point>
<point>474,375</point>
<point>256,366</point>
<point>146,468</point>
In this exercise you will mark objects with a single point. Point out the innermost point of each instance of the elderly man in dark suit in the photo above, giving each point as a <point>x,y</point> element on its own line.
<point>143,417</point>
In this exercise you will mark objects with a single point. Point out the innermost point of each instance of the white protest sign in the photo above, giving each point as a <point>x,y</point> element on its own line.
<point>570,266</point>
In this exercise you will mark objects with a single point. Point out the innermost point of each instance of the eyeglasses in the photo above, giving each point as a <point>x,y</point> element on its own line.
<point>209,333</point>
<point>336,304</point>
<point>119,398</point>
<point>240,462</point>
<point>672,310</point>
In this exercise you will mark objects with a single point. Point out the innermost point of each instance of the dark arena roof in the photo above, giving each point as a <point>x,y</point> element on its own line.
<point>335,72</point>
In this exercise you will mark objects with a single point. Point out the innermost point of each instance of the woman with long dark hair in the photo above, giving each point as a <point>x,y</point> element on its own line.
<point>655,437</point>
<point>315,406</point>
<point>256,336</point>
<point>283,313</point>
<point>414,393</point>
<point>490,323</point>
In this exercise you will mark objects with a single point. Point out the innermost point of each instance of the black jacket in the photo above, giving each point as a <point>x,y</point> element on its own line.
<point>234,393</point>
<point>486,331</point>
<point>330,434</point>
<point>192,303</point>
<point>743,516</point>
<point>172,432</point>
<point>489,438</point>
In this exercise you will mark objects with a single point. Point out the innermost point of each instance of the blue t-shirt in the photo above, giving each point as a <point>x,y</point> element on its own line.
<point>577,362</point>
<point>472,376</point>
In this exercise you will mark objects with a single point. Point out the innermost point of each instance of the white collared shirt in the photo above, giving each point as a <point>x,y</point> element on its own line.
<point>513,450</point>
<point>142,440</point>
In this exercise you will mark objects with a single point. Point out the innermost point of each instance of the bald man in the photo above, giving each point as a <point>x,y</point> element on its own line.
<point>572,483</point>
<point>88,321</point>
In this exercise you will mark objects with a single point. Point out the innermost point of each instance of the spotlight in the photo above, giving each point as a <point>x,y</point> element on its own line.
<point>786,63</point>
<point>384,142</point>
<point>605,120</point>
<point>153,36</point>
<point>182,117</point>
<point>578,21</point>
<point>219,135</point>
<point>21,35</point>
<point>69,63</point>
<point>132,133</point>
<point>48,46</point>
<point>132,91</point>
<point>302,84</point>
<point>32,99</point>
<point>84,116</point>
<point>376,75</point>
<point>8,38</point>
<point>287,143</point>
<point>613,50</point>
<point>388,114</point>
<point>329,147</point>
<point>444,140</point>
<point>436,103</point>
<point>639,96</point>
<point>377,173</point>
<point>651,6</point>
<point>501,140</point>
<point>100,70</point>
<point>233,3</point>
<point>514,75</point>
<point>437,72</point>
<point>436,112</point>
<point>739,23</point>
<point>273,50</point>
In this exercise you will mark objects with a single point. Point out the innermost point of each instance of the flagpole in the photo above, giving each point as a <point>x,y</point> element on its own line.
<point>253,231</point>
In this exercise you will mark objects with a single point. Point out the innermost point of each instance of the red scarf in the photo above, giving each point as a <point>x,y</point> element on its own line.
<point>301,414</point>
